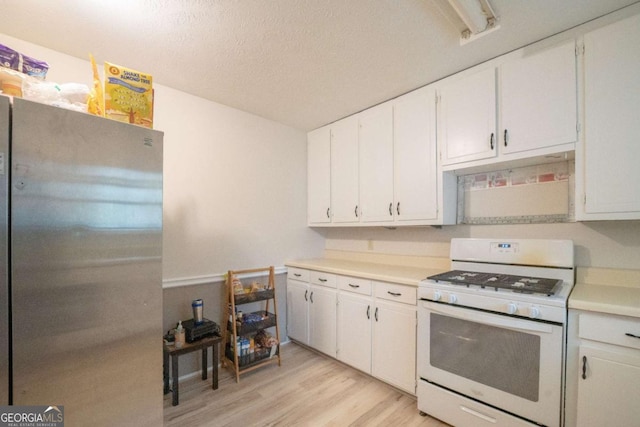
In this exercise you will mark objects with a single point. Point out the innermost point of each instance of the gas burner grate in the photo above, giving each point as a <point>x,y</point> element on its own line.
<point>522,284</point>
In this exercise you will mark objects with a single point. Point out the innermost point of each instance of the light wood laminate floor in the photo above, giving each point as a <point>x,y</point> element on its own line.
<point>307,390</point>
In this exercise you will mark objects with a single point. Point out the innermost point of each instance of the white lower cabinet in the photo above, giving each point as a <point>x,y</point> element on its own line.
<point>322,319</point>
<point>311,309</point>
<point>608,371</point>
<point>368,325</point>
<point>298,290</point>
<point>394,336</point>
<point>354,330</point>
<point>298,311</point>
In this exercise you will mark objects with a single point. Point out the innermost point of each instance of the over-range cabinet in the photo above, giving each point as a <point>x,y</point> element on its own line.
<point>80,265</point>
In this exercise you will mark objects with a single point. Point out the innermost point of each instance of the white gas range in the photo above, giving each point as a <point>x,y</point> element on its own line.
<point>492,333</point>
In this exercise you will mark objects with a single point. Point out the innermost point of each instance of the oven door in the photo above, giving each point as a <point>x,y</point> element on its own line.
<point>510,363</point>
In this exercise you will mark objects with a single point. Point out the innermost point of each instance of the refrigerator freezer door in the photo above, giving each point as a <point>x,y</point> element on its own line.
<point>87,266</point>
<point>4,248</point>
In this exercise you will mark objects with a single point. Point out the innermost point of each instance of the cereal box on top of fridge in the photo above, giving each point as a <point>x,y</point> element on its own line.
<point>128,95</point>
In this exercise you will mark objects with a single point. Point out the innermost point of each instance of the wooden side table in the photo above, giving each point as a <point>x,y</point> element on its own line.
<point>170,351</point>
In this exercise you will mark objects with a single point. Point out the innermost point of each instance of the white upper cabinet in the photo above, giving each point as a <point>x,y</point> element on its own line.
<point>607,172</point>
<point>376,163</point>
<point>538,99</point>
<point>399,180</point>
<point>319,176</point>
<point>379,167</point>
<point>467,118</point>
<point>520,106</point>
<point>415,178</point>
<point>344,171</point>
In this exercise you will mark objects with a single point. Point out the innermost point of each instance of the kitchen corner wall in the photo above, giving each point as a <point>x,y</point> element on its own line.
<point>234,192</point>
<point>604,244</point>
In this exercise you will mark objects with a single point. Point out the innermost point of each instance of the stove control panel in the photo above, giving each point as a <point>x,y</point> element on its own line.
<point>504,247</point>
<point>463,297</point>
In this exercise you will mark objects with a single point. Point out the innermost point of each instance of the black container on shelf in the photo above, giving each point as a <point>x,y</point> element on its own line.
<point>253,296</point>
<point>257,356</point>
<point>268,320</point>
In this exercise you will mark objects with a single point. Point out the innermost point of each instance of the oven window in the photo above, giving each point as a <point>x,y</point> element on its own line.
<point>496,357</point>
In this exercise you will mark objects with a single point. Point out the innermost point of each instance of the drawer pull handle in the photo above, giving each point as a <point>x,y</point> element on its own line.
<point>632,335</point>
<point>584,367</point>
<point>478,414</point>
<point>354,286</point>
<point>322,280</point>
<point>297,274</point>
<point>394,294</point>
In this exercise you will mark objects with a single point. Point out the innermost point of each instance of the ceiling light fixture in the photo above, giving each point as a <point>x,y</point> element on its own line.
<point>473,18</point>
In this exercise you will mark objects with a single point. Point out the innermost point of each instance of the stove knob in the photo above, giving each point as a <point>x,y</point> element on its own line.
<point>534,312</point>
<point>437,295</point>
<point>453,299</point>
<point>512,308</point>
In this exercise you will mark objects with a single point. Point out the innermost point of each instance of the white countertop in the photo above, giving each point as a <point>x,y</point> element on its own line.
<point>396,273</point>
<point>607,291</point>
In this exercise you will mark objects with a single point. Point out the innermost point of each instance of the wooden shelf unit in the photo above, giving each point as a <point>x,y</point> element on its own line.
<point>233,329</point>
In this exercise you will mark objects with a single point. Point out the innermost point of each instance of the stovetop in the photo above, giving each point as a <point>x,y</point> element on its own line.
<point>514,283</point>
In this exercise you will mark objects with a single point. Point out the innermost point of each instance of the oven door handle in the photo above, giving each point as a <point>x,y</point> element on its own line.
<point>488,319</point>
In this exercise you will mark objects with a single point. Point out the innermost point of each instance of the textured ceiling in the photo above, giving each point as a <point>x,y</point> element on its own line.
<point>303,63</point>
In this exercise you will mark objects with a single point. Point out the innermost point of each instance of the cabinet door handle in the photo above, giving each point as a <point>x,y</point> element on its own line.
<point>394,294</point>
<point>391,209</point>
<point>376,314</point>
<point>398,208</point>
<point>356,211</point>
<point>311,297</point>
<point>368,312</point>
<point>506,137</point>
<point>584,367</point>
<point>305,295</point>
<point>354,286</point>
<point>491,140</point>
<point>632,335</point>
<point>328,213</point>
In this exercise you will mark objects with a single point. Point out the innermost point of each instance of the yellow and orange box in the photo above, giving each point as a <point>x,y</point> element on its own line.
<point>128,95</point>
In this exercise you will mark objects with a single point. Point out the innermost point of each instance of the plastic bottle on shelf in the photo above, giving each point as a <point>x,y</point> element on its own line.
<point>179,342</point>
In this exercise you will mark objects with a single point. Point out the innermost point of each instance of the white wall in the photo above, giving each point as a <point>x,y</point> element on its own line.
<point>234,183</point>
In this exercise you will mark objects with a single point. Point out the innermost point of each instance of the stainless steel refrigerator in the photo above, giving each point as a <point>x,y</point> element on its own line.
<point>80,265</point>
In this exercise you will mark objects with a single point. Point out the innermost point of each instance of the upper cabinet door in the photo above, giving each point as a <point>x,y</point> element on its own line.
<point>538,99</point>
<point>344,171</point>
<point>467,118</point>
<point>414,156</point>
<point>319,176</point>
<point>612,125</point>
<point>376,163</point>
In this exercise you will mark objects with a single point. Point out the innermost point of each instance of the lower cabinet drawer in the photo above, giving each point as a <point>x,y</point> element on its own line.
<point>297,274</point>
<point>394,292</point>
<point>354,284</point>
<point>322,279</point>
<point>611,329</point>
